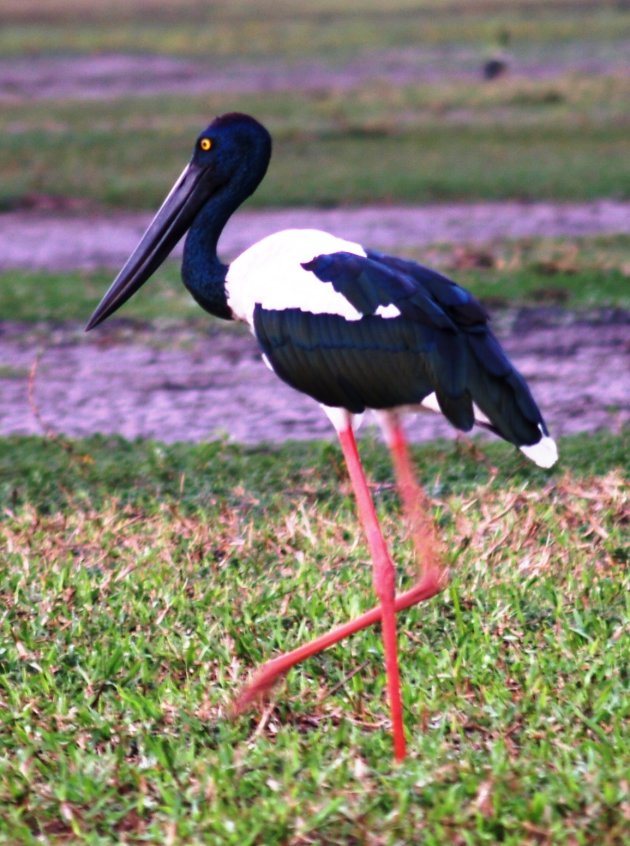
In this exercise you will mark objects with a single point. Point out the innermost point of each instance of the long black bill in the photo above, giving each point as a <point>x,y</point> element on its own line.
<point>167,227</point>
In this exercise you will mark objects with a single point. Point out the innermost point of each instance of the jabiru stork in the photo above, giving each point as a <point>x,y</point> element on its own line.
<point>355,329</point>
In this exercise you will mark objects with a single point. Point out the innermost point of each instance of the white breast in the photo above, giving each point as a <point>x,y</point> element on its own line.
<point>270,273</point>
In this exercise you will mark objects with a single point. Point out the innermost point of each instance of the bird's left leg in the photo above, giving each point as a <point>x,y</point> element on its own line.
<point>267,675</point>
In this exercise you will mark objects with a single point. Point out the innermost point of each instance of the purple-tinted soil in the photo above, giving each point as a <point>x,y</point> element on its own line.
<point>111,75</point>
<point>55,241</point>
<point>194,386</point>
<point>178,385</point>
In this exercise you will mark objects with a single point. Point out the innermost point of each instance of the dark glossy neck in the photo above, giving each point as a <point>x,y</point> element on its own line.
<point>202,271</point>
<point>248,148</point>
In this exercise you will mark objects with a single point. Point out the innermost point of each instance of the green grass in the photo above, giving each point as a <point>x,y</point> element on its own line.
<point>56,474</point>
<point>136,597</point>
<point>72,296</point>
<point>250,29</point>
<point>562,139</point>
<point>560,135</point>
<point>583,273</point>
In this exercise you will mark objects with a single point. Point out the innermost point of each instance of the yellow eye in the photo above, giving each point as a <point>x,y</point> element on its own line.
<point>205,144</point>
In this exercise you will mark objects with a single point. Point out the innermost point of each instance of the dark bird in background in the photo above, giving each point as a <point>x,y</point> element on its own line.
<point>493,67</point>
<point>498,61</point>
<point>353,328</point>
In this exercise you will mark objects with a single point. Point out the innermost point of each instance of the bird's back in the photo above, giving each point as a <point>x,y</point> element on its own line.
<point>361,330</point>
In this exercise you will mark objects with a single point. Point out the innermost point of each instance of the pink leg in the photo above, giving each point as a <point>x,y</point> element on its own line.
<point>269,673</point>
<point>384,582</point>
<point>415,502</point>
<point>431,580</point>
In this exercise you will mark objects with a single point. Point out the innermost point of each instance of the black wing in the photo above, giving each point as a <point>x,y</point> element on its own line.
<point>378,280</point>
<point>439,342</point>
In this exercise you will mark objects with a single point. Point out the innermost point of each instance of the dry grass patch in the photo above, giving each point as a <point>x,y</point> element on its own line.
<point>133,610</point>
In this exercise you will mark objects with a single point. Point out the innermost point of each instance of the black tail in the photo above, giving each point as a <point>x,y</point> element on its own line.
<point>503,402</point>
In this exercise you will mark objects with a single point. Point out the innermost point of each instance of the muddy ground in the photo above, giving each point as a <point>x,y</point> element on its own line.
<point>36,240</point>
<point>190,385</point>
<point>193,386</point>
<point>111,75</point>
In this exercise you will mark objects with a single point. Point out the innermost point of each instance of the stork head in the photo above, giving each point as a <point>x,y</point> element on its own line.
<point>229,160</point>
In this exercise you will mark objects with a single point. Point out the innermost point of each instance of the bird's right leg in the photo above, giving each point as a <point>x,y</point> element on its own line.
<point>266,676</point>
<point>415,503</point>
<point>384,585</point>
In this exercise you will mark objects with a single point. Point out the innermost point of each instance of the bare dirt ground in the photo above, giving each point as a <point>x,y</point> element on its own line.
<point>187,385</point>
<point>111,75</point>
<point>33,240</point>
<point>195,386</point>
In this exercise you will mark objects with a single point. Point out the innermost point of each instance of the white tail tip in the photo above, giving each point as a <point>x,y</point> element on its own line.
<point>544,453</point>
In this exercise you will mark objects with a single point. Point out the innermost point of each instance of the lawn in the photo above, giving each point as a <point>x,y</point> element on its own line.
<point>331,29</point>
<point>575,273</point>
<point>137,597</point>
<point>562,139</point>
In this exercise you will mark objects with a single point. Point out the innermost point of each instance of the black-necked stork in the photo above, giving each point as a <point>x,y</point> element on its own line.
<point>353,328</point>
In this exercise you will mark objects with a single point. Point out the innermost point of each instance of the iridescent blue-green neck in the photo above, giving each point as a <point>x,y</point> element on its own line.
<point>234,164</point>
<point>202,271</point>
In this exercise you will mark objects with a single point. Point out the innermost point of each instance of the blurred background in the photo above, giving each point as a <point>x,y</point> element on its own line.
<point>487,137</point>
<point>388,101</point>
<point>155,546</point>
